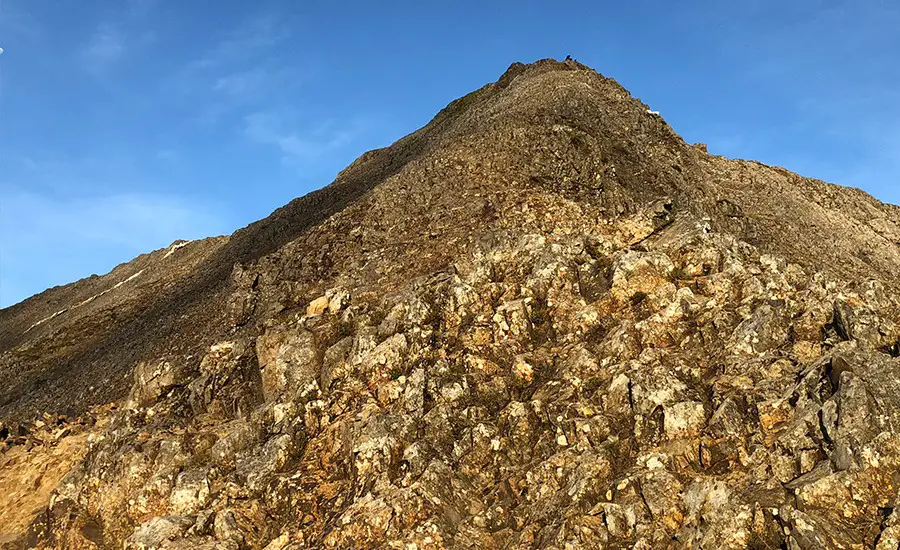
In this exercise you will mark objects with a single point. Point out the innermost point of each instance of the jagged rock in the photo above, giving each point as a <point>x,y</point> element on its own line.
<point>191,492</point>
<point>154,533</point>
<point>226,528</point>
<point>153,379</point>
<point>542,321</point>
<point>289,359</point>
<point>238,436</point>
<point>257,469</point>
<point>318,306</point>
<point>685,419</point>
<point>338,299</point>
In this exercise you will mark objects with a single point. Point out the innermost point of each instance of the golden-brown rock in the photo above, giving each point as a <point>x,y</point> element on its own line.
<point>541,321</point>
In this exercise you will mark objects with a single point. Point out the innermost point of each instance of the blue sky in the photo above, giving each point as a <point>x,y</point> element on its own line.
<point>127,124</point>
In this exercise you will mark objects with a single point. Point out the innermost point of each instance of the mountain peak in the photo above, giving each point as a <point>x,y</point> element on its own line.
<point>541,320</point>
<point>541,65</point>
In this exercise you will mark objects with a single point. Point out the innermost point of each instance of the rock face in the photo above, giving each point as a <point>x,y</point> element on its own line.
<point>541,321</point>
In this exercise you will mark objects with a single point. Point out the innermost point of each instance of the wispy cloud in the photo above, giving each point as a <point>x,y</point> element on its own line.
<point>243,43</point>
<point>243,83</point>
<point>117,36</point>
<point>242,80</point>
<point>105,48</point>
<point>17,25</point>
<point>282,130</point>
<point>223,93</point>
<point>240,72</point>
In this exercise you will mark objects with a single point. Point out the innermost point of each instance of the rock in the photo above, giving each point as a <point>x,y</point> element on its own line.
<point>619,520</point>
<point>289,359</point>
<point>152,380</point>
<point>387,357</point>
<point>523,371</point>
<point>318,306</point>
<point>338,299</point>
<point>154,532</point>
<point>543,321</point>
<point>408,312</point>
<point>334,360</point>
<point>191,492</point>
<point>239,436</point>
<point>889,539</point>
<point>200,543</point>
<point>274,456</point>
<point>763,331</point>
<point>227,529</point>
<point>281,542</point>
<point>640,274</point>
<point>685,419</point>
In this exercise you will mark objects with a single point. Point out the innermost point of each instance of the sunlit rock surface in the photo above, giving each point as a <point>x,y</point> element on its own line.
<point>541,321</point>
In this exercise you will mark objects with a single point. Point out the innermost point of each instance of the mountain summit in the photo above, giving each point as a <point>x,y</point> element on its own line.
<point>541,321</point>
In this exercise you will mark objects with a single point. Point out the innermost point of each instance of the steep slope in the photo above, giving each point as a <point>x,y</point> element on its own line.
<point>541,320</point>
<point>562,128</point>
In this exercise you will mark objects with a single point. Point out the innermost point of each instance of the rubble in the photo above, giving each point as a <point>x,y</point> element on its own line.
<point>576,363</point>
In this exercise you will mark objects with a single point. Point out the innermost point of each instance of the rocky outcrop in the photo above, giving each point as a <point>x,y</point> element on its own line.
<point>551,324</point>
<point>690,404</point>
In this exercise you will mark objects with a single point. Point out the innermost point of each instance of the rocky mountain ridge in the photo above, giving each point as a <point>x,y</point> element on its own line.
<point>541,321</point>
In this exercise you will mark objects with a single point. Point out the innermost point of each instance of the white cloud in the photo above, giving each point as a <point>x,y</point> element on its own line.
<point>117,36</point>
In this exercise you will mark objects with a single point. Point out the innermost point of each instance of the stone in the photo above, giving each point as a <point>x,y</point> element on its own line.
<point>289,359</point>
<point>523,371</point>
<point>239,436</point>
<point>338,299</point>
<point>154,532</point>
<point>542,321</point>
<point>685,419</point>
<point>318,306</point>
<point>227,529</point>
<point>191,492</point>
<point>281,542</point>
<point>153,379</point>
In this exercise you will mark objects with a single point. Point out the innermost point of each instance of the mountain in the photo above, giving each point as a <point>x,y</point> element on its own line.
<point>541,321</point>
